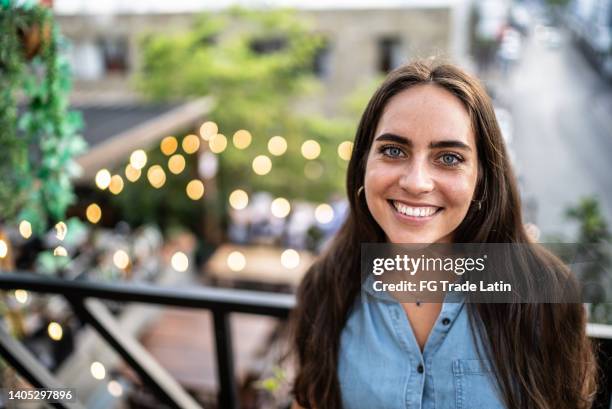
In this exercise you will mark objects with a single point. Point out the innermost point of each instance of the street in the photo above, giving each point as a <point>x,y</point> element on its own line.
<point>562,138</point>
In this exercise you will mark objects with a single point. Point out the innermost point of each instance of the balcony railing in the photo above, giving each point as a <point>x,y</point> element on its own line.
<point>84,298</point>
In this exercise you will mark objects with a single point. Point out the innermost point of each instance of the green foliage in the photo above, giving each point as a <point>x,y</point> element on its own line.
<point>40,142</point>
<point>595,233</point>
<point>254,90</point>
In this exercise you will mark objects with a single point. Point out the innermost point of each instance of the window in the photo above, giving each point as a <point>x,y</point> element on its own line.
<point>268,45</point>
<point>321,62</point>
<point>114,54</point>
<point>389,53</point>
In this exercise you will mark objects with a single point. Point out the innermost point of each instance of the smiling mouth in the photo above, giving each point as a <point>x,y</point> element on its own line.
<point>420,212</point>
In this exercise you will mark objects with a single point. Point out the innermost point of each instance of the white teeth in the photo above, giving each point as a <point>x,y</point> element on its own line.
<point>414,211</point>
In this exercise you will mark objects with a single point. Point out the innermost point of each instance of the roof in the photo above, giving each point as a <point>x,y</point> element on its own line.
<point>113,132</point>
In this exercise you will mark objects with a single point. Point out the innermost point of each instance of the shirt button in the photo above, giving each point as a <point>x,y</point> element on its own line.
<point>445,321</point>
<point>420,369</point>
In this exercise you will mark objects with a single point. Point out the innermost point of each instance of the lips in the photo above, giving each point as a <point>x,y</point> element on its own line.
<point>417,211</point>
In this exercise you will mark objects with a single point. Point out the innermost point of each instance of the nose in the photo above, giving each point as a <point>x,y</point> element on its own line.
<point>417,178</point>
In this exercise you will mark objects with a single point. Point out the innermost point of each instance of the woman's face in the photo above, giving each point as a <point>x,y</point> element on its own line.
<point>422,167</point>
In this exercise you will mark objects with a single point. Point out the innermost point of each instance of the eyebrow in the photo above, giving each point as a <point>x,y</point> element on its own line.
<point>451,143</point>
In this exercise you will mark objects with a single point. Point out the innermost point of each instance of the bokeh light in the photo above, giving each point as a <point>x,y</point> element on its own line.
<point>114,388</point>
<point>242,139</point>
<point>262,165</point>
<point>345,149</point>
<point>191,143</point>
<point>131,173</point>
<point>3,249</point>
<point>21,296</point>
<point>25,229</point>
<point>208,130</point>
<point>277,145</point>
<point>280,207</point>
<point>176,163</point>
<point>103,179</point>
<point>55,331</point>
<point>236,261</point>
<point>138,159</point>
<point>290,258</point>
<point>116,184</point>
<point>168,145</point>
<point>324,213</point>
<point>217,143</point>
<point>97,370</point>
<point>60,251</point>
<point>239,199</point>
<point>195,189</point>
<point>311,149</point>
<point>156,176</point>
<point>93,213</point>
<point>121,259</point>
<point>179,261</point>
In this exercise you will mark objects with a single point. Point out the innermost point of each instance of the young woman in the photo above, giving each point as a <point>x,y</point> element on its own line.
<point>429,165</point>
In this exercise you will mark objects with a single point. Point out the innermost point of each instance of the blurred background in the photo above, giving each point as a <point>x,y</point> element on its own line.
<point>203,145</point>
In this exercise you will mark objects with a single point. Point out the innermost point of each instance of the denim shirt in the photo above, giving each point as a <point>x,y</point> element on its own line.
<point>381,365</point>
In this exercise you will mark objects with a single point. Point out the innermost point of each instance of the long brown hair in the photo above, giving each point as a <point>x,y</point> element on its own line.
<point>541,355</point>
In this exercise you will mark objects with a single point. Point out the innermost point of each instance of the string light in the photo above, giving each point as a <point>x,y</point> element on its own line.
<point>156,176</point>
<point>21,296</point>
<point>239,199</point>
<point>55,331</point>
<point>131,173</point>
<point>115,388</point>
<point>138,159</point>
<point>93,213</point>
<point>217,143</point>
<point>345,149</point>
<point>61,230</point>
<point>191,143</point>
<point>168,145</point>
<point>103,179</point>
<point>176,163</point>
<point>324,213</point>
<point>242,139</point>
<point>116,184</point>
<point>290,258</point>
<point>3,249</point>
<point>311,149</point>
<point>195,189</point>
<point>277,145</point>
<point>25,229</point>
<point>60,251</point>
<point>121,259</point>
<point>236,261</point>
<point>262,165</point>
<point>280,207</point>
<point>208,130</point>
<point>179,261</point>
<point>97,370</point>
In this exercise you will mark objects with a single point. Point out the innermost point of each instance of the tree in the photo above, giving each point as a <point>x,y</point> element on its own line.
<point>255,64</point>
<point>595,235</point>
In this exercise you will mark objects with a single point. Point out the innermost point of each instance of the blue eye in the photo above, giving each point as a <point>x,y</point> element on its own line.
<point>392,151</point>
<point>450,159</point>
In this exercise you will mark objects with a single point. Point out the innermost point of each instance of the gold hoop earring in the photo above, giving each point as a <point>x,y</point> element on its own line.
<point>359,191</point>
<point>478,204</point>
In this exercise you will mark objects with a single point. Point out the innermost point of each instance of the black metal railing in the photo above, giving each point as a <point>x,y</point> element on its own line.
<point>84,298</point>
